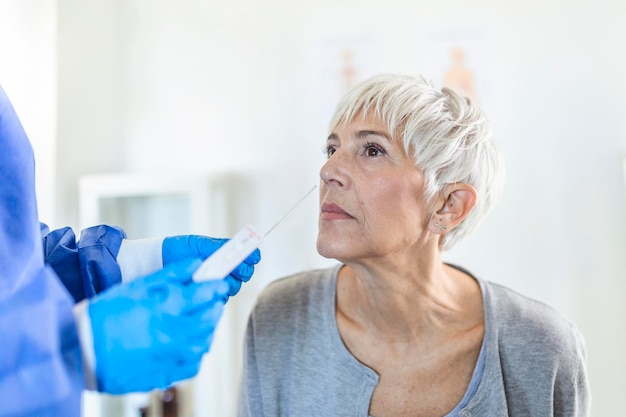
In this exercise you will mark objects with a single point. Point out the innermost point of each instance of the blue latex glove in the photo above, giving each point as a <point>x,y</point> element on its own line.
<point>178,248</point>
<point>153,331</point>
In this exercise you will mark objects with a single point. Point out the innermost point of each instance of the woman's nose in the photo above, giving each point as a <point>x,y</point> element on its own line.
<point>334,170</point>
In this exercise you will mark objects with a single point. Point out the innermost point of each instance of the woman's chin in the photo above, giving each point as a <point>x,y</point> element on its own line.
<point>332,249</point>
<point>325,249</point>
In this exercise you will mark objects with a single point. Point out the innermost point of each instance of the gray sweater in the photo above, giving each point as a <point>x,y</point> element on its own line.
<point>296,364</point>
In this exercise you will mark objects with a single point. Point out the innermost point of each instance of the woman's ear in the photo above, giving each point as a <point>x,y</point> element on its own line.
<point>457,202</point>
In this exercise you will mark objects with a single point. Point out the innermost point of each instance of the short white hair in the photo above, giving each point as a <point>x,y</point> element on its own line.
<point>448,135</point>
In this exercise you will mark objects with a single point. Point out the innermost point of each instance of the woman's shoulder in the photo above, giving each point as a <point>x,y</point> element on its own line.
<point>509,309</point>
<point>299,283</point>
<point>511,304</point>
<point>521,321</point>
<point>296,291</point>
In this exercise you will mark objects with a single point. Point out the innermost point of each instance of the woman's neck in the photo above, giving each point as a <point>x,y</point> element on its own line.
<point>408,304</point>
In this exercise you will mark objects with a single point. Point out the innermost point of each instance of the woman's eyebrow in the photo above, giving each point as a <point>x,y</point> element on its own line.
<point>364,134</point>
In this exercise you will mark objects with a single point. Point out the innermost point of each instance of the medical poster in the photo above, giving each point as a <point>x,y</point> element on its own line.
<point>338,63</point>
<point>456,58</point>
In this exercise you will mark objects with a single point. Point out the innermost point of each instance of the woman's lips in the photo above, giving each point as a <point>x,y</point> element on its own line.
<point>331,211</point>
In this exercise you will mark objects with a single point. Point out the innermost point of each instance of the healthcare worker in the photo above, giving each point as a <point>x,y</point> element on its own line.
<point>139,335</point>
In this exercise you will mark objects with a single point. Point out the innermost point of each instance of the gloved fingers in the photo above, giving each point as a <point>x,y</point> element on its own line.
<point>202,319</point>
<point>199,334</point>
<point>159,292</point>
<point>176,249</point>
<point>185,299</point>
<point>177,272</point>
<point>184,337</point>
<point>112,385</point>
<point>254,258</point>
<point>205,293</point>
<point>205,246</point>
<point>234,285</point>
<point>185,371</point>
<point>210,317</point>
<point>164,380</point>
<point>200,345</point>
<point>186,349</point>
<point>243,272</point>
<point>178,350</point>
<point>179,248</point>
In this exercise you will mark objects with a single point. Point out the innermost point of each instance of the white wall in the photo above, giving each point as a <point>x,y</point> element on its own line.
<point>27,74</point>
<point>161,86</point>
<point>90,124</point>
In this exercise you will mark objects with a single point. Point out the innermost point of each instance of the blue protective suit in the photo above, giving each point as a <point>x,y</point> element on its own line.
<point>88,267</point>
<point>40,356</point>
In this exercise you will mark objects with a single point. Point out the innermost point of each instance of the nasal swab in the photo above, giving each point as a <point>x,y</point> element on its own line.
<point>232,253</point>
<point>289,211</point>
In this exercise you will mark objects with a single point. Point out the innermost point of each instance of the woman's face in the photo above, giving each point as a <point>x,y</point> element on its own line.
<point>371,194</point>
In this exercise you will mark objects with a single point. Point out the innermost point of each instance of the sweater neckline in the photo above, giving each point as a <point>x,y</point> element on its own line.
<point>473,390</point>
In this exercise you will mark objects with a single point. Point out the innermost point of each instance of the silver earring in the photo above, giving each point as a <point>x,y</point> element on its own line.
<point>441,226</point>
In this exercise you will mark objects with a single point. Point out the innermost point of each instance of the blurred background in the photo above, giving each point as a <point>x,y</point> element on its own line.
<point>201,116</point>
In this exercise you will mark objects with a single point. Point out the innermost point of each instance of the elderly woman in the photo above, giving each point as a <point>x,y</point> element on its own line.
<point>393,330</point>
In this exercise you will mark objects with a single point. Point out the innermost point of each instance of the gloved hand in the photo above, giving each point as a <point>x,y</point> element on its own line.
<point>178,248</point>
<point>153,331</point>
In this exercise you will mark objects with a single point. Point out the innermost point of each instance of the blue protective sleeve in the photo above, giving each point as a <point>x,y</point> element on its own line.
<point>61,253</point>
<point>86,267</point>
<point>97,252</point>
<point>40,358</point>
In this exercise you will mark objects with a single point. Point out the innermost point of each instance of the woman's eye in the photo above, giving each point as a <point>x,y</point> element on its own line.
<point>329,151</point>
<point>373,150</point>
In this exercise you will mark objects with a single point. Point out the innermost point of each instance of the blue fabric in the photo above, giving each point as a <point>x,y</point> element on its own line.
<point>97,249</point>
<point>61,253</point>
<point>40,362</point>
<point>89,266</point>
